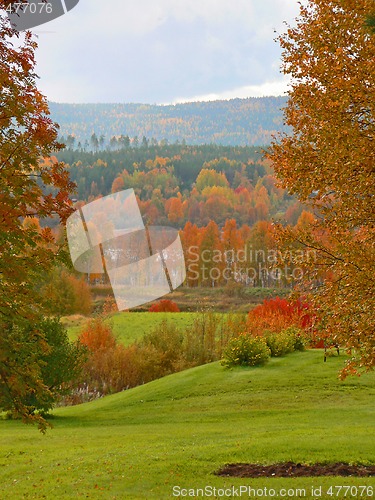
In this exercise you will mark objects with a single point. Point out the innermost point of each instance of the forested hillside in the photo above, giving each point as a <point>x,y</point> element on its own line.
<point>176,184</point>
<point>235,122</point>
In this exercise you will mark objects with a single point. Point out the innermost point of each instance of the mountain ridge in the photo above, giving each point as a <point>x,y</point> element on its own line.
<point>235,122</point>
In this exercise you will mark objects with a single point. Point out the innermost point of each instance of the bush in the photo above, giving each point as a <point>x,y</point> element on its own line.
<point>112,367</point>
<point>288,340</point>
<point>279,343</point>
<point>232,325</point>
<point>166,344</point>
<point>101,368</point>
<point>279,314</point>
<point>97,335</point>
<point>299,338</point>
<point>164,305</point>
<point>57,363</point>
<point>200,339</point>
<point>245,350</point>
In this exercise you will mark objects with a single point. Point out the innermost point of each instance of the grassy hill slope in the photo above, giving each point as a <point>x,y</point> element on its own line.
<point>180,429</point>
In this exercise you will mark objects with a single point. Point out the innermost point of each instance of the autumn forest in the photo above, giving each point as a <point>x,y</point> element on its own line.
<point>191,285</point>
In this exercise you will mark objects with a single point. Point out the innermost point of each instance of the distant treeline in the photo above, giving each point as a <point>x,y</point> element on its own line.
<point>176,184</point>
<point>187,162</point>
<point>250,121</point>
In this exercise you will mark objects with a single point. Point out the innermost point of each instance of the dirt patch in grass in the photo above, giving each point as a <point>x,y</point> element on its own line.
<point>290,469</point>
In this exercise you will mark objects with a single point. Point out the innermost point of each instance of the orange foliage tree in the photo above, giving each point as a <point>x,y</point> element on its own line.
<point>328,161</point>
<point>174,209</point>
<point>28,188</point>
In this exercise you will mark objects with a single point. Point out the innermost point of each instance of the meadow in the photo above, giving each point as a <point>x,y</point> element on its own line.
<point>179,430</point>
<point>129,327</point>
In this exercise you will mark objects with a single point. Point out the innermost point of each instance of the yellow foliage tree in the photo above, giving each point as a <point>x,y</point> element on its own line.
<point>329,162</point>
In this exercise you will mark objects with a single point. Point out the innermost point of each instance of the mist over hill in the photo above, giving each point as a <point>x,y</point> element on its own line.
<point>236,122</point>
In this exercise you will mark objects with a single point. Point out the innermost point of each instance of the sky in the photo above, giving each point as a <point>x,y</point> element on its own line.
<point>163,51</point>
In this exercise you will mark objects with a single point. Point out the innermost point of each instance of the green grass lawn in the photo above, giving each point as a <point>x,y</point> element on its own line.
<point>178,430</point>
<point>131,326</point>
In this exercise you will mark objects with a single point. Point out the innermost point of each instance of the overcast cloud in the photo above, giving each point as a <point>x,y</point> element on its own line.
<point>163,51</point>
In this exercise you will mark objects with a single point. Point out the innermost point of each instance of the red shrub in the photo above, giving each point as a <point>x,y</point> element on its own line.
<point>278,314</point>
<point>164,306</point>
